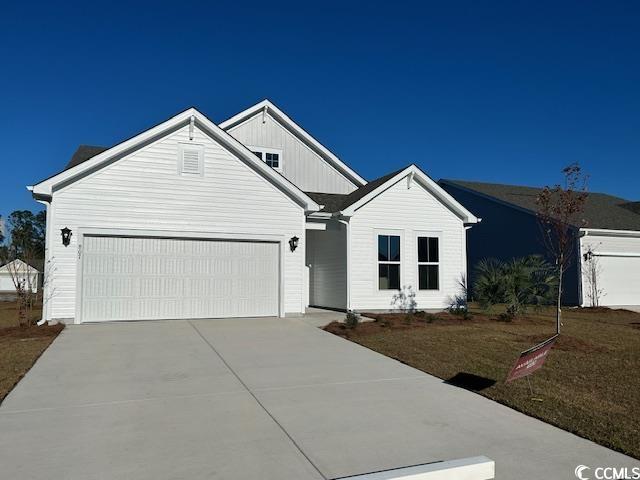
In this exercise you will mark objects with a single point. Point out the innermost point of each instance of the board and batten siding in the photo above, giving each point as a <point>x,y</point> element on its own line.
<point>301,165</point>
<point>144,191</point>
<point>407,212</point>
<point>327,260</point>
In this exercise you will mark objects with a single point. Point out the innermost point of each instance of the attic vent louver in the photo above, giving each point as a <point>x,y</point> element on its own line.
<point>191,159</point>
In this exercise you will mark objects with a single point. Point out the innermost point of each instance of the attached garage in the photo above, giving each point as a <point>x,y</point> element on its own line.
<point>613,259</point>
<point>152,278</point>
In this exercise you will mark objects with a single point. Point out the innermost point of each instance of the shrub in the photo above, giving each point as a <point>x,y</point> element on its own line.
<point>352,319</point>
<point>519,282</point>
<point>404,300</point>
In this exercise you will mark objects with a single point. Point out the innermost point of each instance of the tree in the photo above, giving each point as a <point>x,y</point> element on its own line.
<point>560,210</point>
<point>27,233</point>
<point>591,276</point>
<point>1,230</point>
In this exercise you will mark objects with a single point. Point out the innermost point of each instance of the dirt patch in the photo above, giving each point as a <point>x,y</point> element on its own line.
<point>401,321</point>
<point>31,332</point>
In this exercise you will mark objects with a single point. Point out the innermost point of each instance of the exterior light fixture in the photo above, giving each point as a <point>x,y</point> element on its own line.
<point>66,236</point>
<point>293,243</point>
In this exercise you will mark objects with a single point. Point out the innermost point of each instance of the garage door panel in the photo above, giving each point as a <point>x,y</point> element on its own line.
<point>619,280</point>
<point>161,278</point>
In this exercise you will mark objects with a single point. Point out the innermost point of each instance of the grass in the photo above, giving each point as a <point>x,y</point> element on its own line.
<point>589,385</point>
<point>20,347</point>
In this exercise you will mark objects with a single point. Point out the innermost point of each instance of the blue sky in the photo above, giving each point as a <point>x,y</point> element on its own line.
<point>503,91</point>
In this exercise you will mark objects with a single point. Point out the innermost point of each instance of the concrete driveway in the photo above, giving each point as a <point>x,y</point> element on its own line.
<point>255,399</point>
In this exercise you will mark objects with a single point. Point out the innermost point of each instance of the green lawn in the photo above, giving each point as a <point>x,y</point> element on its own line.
<point>590,384</point>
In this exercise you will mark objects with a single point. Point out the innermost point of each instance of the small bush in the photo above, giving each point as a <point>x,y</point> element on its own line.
<point>352,319</point>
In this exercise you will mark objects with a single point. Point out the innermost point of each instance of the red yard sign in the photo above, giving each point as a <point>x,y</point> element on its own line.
<point>531,360</point>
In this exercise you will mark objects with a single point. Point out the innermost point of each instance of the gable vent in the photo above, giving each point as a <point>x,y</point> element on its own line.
<point>191,159</point>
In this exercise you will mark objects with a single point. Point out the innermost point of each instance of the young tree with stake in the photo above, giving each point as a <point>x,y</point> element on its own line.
<point>560,210</point>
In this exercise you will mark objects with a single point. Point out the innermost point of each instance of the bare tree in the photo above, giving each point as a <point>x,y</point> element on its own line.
<point>591,277</point>
<point>560,210</point>
<point>25,282</point>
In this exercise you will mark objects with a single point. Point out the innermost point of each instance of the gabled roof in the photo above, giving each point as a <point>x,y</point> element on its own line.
<point>84,153</point>
<point>347,204</point>
<point>45,188</point>
<point>20,266</point>
<point>601,210</point>
<point>335,202</point>
<point>268,107</point>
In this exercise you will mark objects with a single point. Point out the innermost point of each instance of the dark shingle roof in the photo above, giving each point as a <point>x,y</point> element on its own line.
<point>335,202</point>
<point>84,153</point>
<point>601,210</point>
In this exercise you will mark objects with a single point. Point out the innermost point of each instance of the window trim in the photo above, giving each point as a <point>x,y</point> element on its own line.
<point>182,147</point>
<point>377,263</point>
<point>264,151</point>
<point>429,234</point>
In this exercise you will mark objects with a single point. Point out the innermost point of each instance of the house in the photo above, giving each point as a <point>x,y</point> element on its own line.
<point>249,217</point>
<point>606,265</point>
<point>19,271</point>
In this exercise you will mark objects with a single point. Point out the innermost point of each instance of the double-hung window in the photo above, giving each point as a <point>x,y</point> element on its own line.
<point>428,263</point>
<point>388,262</point>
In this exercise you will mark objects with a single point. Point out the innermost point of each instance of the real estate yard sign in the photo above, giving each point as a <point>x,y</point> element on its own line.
<point>531,360</point>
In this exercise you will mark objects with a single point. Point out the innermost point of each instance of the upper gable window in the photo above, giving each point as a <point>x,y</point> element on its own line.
<point>270,156</point>
<point>190,159</point>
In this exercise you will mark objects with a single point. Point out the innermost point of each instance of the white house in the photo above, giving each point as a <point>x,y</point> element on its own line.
<point>606,265</point>
<point>19,271</point>
<point>251,217</point>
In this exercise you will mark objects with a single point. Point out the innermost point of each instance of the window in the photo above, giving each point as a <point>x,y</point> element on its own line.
<point>190,159</point>
<point>428,263</point>
<point>272,159</point>
<point>388,262</point>
<point>270,156</point>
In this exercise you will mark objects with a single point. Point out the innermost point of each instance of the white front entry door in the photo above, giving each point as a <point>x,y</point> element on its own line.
<point>144,278</point>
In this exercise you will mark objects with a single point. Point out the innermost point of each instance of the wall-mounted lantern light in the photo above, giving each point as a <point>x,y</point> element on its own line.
<point>66,236</point>
<point>293,243</point>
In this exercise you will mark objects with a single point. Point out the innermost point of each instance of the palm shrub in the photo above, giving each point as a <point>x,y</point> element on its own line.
<point>517,283</point>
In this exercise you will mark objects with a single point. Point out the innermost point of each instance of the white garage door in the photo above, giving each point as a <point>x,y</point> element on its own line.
<point>620,280</point>
<point>131,278</point>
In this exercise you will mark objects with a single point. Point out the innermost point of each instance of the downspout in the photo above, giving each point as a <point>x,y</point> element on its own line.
<point>45,274</point>
<point>348,234</point>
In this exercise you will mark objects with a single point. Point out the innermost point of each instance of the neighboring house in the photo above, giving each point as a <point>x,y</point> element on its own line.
<point>608,244</point>
<point>17,270</point>
<point>251,217</point>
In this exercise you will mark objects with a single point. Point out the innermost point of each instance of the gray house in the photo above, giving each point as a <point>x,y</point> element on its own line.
<point>608,243</point>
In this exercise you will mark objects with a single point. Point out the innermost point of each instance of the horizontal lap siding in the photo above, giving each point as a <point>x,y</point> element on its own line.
<point>408,211</point>
<point>144,191</point>
<point>302,166</point>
